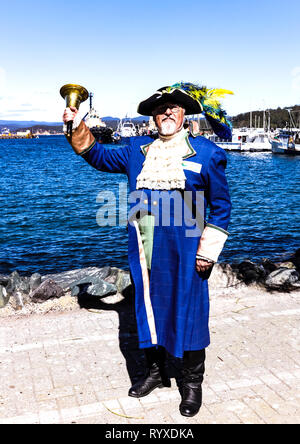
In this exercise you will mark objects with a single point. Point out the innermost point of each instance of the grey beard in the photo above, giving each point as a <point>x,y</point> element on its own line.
<point>168,128</point>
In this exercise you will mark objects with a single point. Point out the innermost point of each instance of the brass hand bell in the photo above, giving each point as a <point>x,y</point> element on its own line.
<point>74,96</point>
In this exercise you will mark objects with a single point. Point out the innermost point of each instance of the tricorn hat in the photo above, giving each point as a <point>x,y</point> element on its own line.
<point>194,99</point>
<point>173,95</point>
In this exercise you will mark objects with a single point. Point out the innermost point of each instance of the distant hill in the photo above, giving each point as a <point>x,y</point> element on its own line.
<point>114,121</point>
<point>279,118</point>
<point>49,128</point>
<point>17,124</point>
<point>23,123</point>
<point>14,125</point>
<point>134,119</point>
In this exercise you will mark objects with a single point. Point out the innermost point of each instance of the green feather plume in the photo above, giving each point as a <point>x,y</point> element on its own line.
<point>208,99</point>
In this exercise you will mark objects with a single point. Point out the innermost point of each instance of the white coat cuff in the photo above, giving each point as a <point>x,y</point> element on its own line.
<point>212,242</point>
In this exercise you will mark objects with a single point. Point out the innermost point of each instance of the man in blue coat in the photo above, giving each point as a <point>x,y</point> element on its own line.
<point>173,241</point>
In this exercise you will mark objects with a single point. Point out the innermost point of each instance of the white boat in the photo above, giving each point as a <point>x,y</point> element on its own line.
<point>245,139</point>
<point>284,142</point>
<point>126,129</point>
<point>287,140</point>
<point>98,128</point>
<point>4,131</point>
<point>93,120</point>
<point>258,140</point>
<point>229,146</point>
<point>234,145</point>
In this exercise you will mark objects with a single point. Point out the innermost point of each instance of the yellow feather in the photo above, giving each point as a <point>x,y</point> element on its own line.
<point>218,92</point>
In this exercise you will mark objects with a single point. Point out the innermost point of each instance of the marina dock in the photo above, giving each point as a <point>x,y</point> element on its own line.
<point>7,134</point>
<point>15,136</point>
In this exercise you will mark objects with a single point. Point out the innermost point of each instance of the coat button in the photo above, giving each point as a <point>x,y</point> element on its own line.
<point>154,202</point>
<point>145,201</point>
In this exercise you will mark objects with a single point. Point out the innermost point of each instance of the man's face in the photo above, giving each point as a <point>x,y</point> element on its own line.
<point>169,118</point>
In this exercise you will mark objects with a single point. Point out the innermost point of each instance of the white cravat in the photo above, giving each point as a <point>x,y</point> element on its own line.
<point>162,168</point>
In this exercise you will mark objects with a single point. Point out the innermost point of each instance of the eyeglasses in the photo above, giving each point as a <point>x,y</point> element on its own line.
<point>163,108</point>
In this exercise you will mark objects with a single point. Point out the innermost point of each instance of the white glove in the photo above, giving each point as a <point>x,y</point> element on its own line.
<point>71,114</point>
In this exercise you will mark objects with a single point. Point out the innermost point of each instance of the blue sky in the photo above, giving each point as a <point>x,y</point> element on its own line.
<point>123,51</point>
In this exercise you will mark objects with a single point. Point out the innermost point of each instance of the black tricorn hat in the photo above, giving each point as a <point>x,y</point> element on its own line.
<point>173,95</point>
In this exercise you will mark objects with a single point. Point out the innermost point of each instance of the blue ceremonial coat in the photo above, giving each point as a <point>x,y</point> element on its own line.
<point>172,307</point>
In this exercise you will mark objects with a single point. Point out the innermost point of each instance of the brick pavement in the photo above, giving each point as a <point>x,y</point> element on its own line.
<point>77,366</point>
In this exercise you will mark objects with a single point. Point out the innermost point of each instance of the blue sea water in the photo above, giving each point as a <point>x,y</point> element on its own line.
<point>48,198</point>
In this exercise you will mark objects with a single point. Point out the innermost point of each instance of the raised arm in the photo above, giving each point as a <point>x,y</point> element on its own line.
<point>84,143</point>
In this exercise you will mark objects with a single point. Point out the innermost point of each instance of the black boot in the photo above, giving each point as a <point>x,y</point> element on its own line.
<point>191,390</point>
<point>156,375</point>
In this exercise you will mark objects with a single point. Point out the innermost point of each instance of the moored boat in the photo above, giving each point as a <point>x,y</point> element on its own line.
<point>125,130</point>
<point>258,140</point>
<point>284,143</point>
<point>245,139</point>
<point>98,128</point>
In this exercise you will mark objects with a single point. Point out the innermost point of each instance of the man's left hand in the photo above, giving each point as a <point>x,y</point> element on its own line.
<point>202,265</point>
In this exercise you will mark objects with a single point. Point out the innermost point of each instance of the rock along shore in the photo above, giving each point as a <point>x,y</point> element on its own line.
<point>25,295</point>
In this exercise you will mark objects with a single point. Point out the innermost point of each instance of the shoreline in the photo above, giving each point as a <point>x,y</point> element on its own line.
<point>76,289</point>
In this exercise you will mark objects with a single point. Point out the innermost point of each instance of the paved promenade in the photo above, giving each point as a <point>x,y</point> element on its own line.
<point>76,366</point>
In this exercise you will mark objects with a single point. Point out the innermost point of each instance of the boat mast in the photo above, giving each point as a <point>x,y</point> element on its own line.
<point>91,95</point>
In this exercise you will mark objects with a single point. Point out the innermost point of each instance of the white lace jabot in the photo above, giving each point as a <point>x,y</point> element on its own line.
<point>162,168</point>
